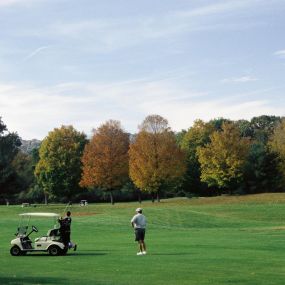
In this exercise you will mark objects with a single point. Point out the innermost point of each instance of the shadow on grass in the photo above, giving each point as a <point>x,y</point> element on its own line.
<point>31,280</point>
<point>72,253</point>
<point>86,253</point>
<point>170,254</point>
<point>38,281</point>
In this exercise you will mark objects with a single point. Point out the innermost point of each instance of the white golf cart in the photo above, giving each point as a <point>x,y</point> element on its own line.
<point>51,242</point>
<point>83,203</point>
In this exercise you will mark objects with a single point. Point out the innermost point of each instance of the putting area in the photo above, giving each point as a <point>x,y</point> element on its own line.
<point>219,240</point>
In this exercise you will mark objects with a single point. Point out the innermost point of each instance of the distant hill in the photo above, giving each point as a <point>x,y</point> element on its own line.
<point>28,145</point>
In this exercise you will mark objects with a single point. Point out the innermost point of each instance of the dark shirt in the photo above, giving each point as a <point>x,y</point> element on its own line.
<point>65,224</point>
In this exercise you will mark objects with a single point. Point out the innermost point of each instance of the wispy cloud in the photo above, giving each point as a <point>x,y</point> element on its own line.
<point>108,34</point>
<point>241,79</point>
<point>4,3</point>
<point>280,53</point>
<point>35,52</point>
<point>218,8</point>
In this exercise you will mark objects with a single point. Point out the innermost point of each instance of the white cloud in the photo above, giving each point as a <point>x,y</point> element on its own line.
<point>280,53</point>
<point>33,111</point>
<point>181,115</point>
<point>241,79</point>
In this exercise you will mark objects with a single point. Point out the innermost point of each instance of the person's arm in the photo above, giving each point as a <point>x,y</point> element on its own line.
<point>133,221</point>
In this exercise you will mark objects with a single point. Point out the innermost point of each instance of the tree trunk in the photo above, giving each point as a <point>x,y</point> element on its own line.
<point>157,196</point>
<point>152,197</point>
<point>112,198</point>
<point>140,196</point>
<point>46,198</point>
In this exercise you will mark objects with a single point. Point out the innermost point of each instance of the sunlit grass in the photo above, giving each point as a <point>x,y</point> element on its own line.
<point>219,240</point>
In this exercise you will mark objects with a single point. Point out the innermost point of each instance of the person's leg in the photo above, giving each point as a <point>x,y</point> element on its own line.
<point>68,237</point>
<point>143,246</point>
<point>64,241</point>
<point>142,242</point>
<point>140,248</point>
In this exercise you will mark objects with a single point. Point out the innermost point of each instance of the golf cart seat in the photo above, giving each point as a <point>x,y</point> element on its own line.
<point>53,233</point>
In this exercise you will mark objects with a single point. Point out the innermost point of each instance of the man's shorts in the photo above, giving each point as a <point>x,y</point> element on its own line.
<point>139,233</point>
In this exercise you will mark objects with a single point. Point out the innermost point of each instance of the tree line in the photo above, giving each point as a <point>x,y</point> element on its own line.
<point>220,156</point>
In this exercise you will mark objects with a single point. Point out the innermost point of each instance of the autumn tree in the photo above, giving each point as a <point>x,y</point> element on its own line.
<point>223,159</point>
<point>155,158</point>
<point>105,158</point>
<point>197,136</point>
<point>58,171</point>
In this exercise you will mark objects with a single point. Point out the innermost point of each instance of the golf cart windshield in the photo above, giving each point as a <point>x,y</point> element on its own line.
<point>26,217</point>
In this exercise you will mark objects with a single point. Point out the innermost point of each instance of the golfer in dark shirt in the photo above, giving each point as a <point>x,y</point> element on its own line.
<point>65,225</point>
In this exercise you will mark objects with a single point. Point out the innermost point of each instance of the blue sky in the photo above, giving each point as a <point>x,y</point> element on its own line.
<point>80,63</point>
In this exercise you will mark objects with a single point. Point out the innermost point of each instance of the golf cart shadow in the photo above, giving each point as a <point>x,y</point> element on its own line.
<point>32,280</point>
<point>87,253</point>
<point>73,254</point>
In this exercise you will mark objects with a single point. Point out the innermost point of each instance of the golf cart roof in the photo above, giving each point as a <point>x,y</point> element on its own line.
<point>39,215</point>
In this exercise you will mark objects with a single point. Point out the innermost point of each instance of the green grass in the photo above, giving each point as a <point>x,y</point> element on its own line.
<point>221,240</point>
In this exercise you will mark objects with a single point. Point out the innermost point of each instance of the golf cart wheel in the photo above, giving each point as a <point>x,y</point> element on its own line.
<point>54,250</point>
<point>15,251</point>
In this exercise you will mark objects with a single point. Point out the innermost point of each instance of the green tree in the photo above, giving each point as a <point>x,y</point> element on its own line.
<point>263,127</point>
<point>58,171</point>
<point>277,146</point>
<point>223,159</point>
<point>105,158</point>
<point>246,128</point>
<point>9,147</point>
<point>155,158</point>
<point>23,166</point>
<point>261,170</point>
<point>198,135</point>
<point>261,174</point>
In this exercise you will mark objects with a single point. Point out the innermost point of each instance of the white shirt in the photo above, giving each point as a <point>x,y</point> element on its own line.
<point>139,221</point>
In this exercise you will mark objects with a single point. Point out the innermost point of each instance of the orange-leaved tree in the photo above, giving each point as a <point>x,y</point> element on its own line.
<point>105,158</point>
<point>155,158</point>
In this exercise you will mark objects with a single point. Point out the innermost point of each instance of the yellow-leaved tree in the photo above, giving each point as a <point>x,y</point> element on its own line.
<point>155,158</point>
<point>223,159</point>
<point>105,158</point>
